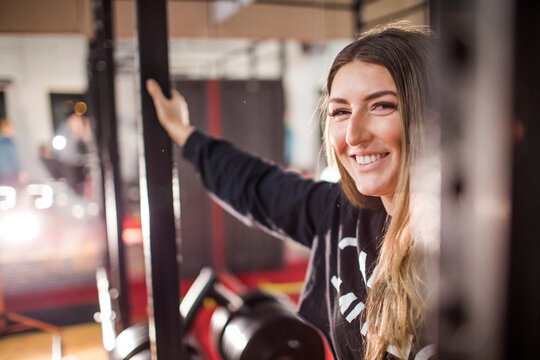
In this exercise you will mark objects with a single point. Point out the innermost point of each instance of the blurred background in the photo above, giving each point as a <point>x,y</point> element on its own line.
<point>252,71</point>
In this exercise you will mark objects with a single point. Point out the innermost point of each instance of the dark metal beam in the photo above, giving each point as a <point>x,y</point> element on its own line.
<point>476,121</point>
<point>523,313</point>
<point>397,15</point>
<point>357,15</point>
<point>159,217</point>
<point>309,4</point>
<point>105,112</point>
<point>296,3</point>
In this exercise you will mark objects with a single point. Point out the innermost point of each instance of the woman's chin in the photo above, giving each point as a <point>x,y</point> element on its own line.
<point>367,191</point>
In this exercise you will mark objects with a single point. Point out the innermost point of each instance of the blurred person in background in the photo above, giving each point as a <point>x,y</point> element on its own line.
<point>68,158</point>
<point>10,166</point>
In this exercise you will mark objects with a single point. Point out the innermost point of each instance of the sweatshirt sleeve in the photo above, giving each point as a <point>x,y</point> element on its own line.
<point>260,192</point>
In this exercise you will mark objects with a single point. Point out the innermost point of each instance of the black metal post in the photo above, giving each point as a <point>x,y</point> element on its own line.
<point>476,72</point>
<point>357,14</point>
<point>523,313</point>
<point>158,196</point>
<point>107,138</point>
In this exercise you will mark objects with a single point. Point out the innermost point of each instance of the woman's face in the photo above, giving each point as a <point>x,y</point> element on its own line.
<point>364,127</point>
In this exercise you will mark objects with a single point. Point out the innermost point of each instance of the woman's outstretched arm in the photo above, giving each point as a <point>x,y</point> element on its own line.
<point>256,191</point>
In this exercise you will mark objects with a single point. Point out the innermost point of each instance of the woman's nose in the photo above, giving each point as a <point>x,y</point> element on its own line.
<point>357,130</point>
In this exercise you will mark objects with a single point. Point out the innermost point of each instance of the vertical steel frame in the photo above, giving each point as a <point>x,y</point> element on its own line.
<point>107,138</point>
<point>476,112</point>
<point>159,188</point>
<point>523,310</point>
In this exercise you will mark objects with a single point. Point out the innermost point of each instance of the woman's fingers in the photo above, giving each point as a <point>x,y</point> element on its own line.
<point>160,101</point>
<point>172,113</point>
<point>154,90</point>
<point>164,106</point>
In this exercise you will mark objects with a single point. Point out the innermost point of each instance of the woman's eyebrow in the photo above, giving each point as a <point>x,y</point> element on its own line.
<point>338,100</point>
<point>366,98</point>
<point>379,94</point>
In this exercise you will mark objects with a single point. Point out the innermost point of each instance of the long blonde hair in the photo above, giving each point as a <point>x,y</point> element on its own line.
<point>395,306</point>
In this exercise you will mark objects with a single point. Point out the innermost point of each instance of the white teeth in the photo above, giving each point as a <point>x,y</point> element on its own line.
<point>368,159</point>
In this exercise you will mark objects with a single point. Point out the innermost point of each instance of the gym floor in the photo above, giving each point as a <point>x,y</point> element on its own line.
<point>79,342</point>
<point>83,340</point>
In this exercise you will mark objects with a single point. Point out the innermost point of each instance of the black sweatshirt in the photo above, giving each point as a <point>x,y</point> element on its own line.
<point>343,239</point>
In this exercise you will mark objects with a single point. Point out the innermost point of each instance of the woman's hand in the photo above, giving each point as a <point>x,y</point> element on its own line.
<point>172,113</point>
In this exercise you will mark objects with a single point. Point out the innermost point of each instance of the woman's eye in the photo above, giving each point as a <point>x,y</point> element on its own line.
<point>338,112</point>
<point>383,108</point>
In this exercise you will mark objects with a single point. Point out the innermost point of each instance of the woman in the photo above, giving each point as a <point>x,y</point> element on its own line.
<point>363,287</point>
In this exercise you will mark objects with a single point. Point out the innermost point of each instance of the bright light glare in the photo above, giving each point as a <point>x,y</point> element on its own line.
<point>19,227</point>
<point>77,211</point>
<point>43,193</point>
<point>106,311</point>
<point>330,174</point>
<point>62,199</point>
<point>92,209</point>
<point>8,197</point>
<point>59,142</point>
<point>236,338</point>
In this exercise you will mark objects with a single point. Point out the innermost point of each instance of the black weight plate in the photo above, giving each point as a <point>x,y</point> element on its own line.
<point>130,342</point>
<point>143,355</point>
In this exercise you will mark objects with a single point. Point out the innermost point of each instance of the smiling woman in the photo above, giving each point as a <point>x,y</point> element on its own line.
<point>363,288</point>
<point>364,128</point>
<point>380,87</point>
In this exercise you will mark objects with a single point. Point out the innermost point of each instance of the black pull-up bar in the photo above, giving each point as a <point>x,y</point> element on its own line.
<point>158,216</point>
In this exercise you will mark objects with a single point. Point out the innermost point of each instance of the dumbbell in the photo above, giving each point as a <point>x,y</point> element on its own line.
<point>134,344</point>
<point>254,326</point>
<point>133,341</point>
<point>265,329</point>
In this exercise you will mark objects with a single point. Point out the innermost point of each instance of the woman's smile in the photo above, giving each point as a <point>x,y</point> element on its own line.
<point>369,159</point>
